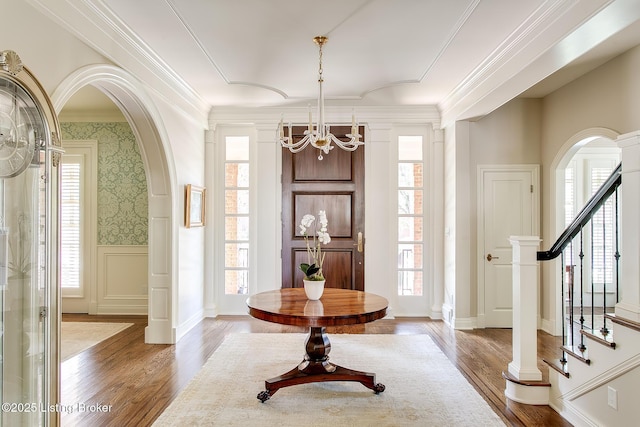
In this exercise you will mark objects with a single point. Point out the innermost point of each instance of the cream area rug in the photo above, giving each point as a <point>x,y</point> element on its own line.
<point>423,388</point>
<point>77,337</point>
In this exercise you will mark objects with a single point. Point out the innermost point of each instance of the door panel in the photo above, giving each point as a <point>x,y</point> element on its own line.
<point>507,210</point>
<point>336,185</point>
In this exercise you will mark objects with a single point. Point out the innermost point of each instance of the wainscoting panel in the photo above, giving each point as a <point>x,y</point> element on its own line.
<point>123,280</point>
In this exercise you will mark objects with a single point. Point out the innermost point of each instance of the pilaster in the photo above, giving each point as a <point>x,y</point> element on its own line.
<point>629,215</point>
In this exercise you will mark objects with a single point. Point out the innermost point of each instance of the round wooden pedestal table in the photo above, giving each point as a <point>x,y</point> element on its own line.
<point>337,307</point>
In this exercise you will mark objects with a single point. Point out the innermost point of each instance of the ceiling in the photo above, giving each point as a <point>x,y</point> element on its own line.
<point>467,57</point>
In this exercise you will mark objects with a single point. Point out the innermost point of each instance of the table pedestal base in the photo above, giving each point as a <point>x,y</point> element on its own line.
<point>316,368</point>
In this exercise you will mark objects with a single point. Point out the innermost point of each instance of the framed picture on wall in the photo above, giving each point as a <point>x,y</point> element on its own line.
<point>194,206</point>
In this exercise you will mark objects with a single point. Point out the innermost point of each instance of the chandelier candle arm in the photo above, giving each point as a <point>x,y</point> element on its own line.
<point>320,138</point>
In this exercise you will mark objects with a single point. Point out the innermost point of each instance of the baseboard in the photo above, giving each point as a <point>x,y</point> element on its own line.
<point>159,332</point>
<point>136,310</point>
<point>210,312</point>
<point>548,326</point>
<point>186,326</point>
<point>467,323</point>
<point>447,314</point>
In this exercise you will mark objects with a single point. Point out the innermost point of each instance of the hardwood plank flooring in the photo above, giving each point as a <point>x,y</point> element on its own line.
<point>137,381</point>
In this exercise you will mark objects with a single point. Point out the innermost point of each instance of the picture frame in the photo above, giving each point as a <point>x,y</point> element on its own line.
<point>194,206</point>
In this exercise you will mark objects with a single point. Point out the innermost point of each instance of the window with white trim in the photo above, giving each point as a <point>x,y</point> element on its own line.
<point>584,175</point>
<point>70,221</point>
<point>236,215</point>
<point>410,245</point>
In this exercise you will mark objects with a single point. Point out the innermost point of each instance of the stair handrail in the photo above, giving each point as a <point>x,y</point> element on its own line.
<point>584,216</point>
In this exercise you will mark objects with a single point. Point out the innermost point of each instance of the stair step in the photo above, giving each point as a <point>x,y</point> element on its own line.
<point>604,338</point>
<point>575,351</point>
<point>624,322</point>
<point>558,366</point>
<point>507,376</point>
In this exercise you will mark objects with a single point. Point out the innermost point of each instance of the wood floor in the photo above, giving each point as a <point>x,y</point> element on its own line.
<point>138,381</point>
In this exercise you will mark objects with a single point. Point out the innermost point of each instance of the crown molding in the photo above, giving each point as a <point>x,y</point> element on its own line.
<point>96,26</point>
<point>555,35</point>
<point>427,114</point>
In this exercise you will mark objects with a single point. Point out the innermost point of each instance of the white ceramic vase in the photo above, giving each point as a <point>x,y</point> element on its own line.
<point>314,289</point>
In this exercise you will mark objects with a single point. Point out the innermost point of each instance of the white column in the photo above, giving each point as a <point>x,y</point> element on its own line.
<point>524,365</point>
<point>628,306</point>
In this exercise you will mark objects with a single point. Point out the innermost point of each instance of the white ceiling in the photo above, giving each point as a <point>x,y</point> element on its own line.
<point>467,57</point>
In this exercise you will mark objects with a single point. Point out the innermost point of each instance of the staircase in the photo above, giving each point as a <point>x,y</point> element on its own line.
<point>599,387</point>
<point>594,380</point>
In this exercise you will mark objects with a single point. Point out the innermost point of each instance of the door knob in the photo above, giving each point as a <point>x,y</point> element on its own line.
<point>360,243</point>
<point>489,257</point>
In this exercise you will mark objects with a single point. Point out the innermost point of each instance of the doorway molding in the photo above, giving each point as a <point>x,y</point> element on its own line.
<point>553,324</point>
<point>147,125</point>
<point>534,171</point>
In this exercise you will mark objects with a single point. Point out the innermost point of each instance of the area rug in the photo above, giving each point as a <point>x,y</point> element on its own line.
<point>77,337</point>
<point>423,388</point>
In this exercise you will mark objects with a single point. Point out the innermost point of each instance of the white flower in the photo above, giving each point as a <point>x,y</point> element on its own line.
<point>322,218</point>
<point>305,223</point>
<point>314,252</point>
<point>323,237</point>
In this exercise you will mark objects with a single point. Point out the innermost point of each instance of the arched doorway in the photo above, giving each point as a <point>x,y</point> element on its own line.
<point>145,122</point>
<point>600,140</point>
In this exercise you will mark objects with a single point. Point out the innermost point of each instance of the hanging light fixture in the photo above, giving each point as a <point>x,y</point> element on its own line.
<point>320,136</point>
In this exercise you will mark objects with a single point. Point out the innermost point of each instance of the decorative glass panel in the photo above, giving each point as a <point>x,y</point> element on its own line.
<point>410,256</point>
<point>237,175</point>
<point>410,202</point>
<point>236,282</point>
<point>410,148</point>
<point>237,148</point>
<point>410,175</point>
<point>236,255</point>
<point>409,229</point>
<point>236,202</point>
<point>410,282</point>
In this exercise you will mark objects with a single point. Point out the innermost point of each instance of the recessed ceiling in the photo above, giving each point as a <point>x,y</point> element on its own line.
<point>456,55</point>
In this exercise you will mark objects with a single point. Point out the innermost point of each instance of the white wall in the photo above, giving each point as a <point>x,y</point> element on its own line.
<point>604,102</point>
<point>380,199</point>
<point>53,55</point>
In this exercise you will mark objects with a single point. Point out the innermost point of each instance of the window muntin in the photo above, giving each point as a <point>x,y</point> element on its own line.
<point>236,212</point>
<point>410,211</point>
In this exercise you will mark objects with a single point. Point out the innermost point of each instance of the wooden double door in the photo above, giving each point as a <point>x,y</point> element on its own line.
<point>335,185</point>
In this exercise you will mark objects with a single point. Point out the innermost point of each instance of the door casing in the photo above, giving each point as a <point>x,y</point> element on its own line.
<point>533,171</point>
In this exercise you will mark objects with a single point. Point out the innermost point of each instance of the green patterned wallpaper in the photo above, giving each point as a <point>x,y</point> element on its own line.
<point>122,186</point>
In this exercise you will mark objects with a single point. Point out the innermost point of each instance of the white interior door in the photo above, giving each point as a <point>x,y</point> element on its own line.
<point>507,206</point>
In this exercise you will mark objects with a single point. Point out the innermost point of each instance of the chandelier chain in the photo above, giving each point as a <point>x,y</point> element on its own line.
<point>320,64</point>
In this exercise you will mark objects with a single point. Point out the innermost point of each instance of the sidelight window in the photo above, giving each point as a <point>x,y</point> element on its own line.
<point>410,213</point>
<point>236,215</point>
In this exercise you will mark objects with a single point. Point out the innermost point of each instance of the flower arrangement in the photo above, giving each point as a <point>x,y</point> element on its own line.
<point>313,268</point>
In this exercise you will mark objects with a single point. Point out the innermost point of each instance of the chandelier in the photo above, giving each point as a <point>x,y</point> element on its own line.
<point>320,136</point>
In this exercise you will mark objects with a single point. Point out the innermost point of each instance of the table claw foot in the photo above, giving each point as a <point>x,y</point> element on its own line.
<point>263,396</point>
<point>378,388</point>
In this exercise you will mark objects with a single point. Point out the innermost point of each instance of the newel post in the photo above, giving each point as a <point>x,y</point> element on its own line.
<point>523,372</point>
